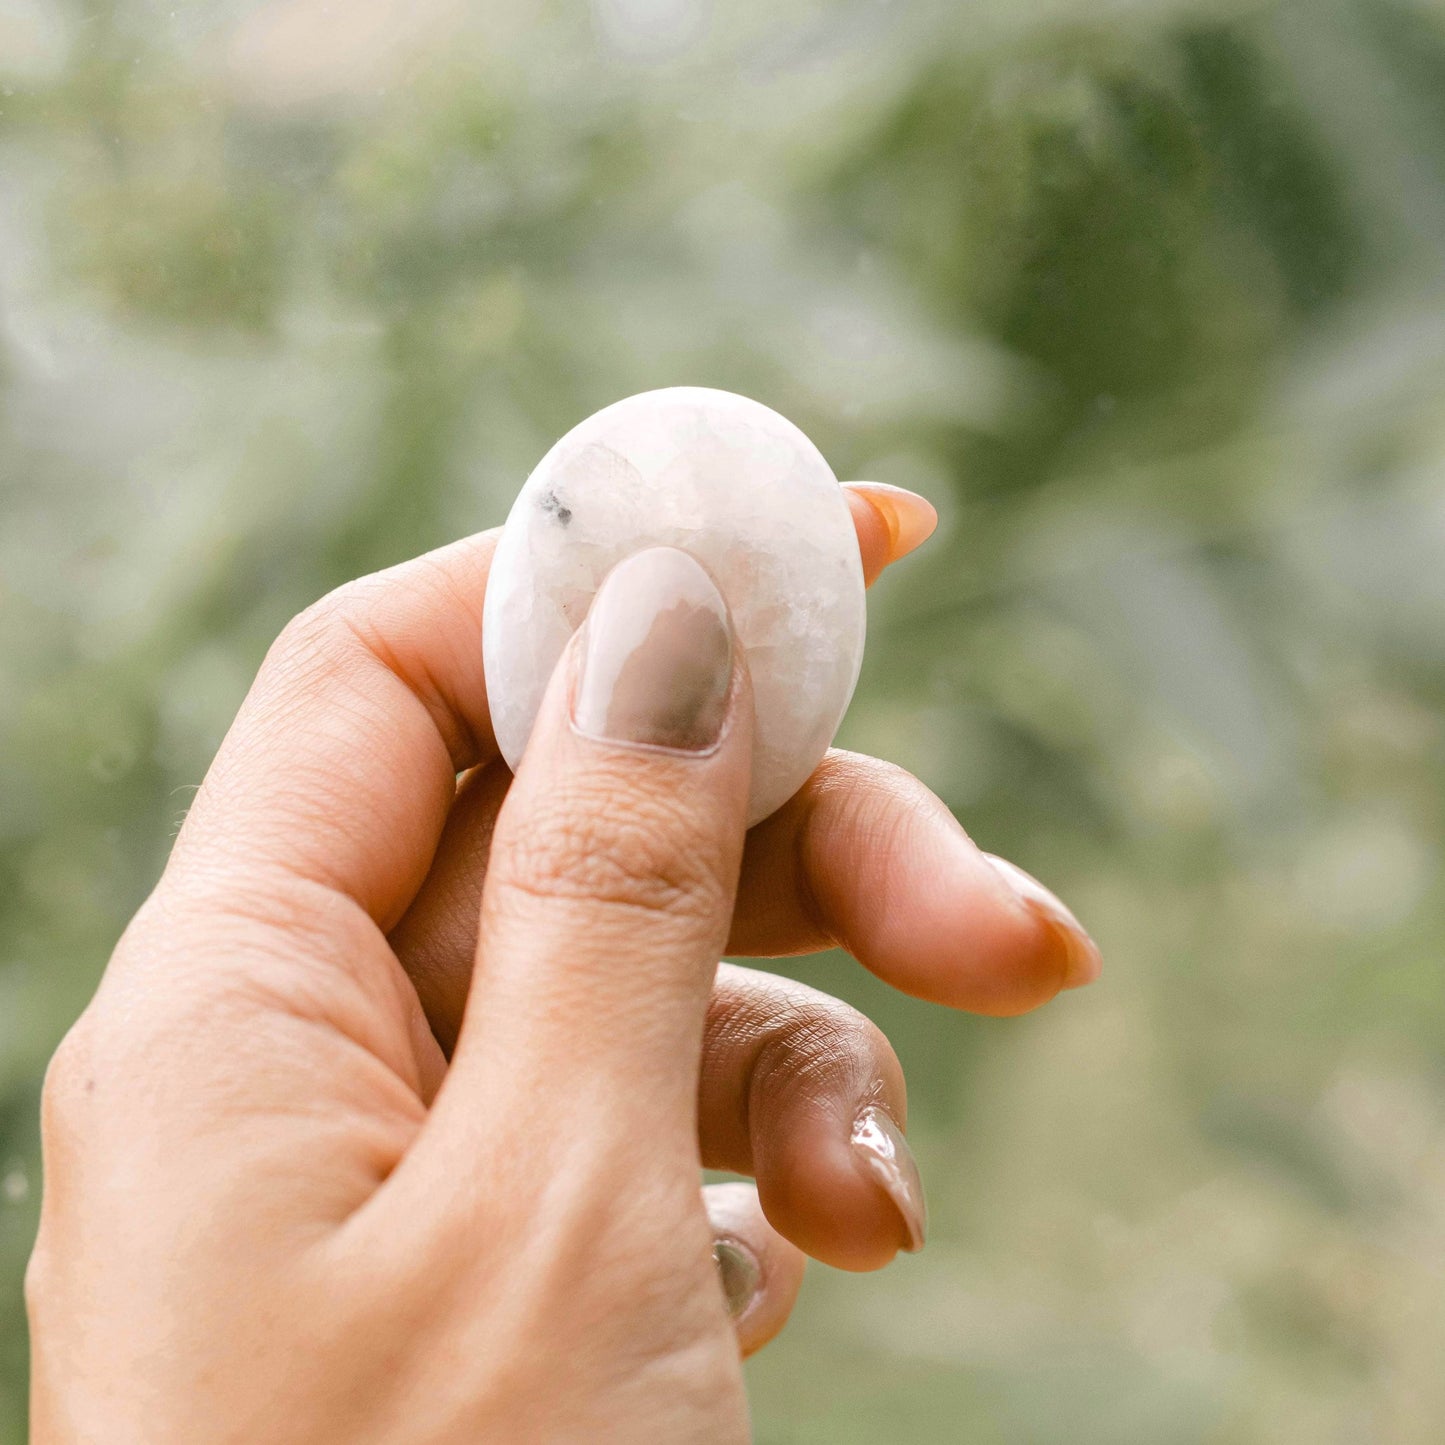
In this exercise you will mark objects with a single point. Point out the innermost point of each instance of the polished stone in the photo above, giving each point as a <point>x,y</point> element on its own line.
<point>746,493</point>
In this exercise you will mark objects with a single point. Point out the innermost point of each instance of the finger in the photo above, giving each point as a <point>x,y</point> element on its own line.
<point>866,858</point>
<point>806,1095</point>
<point>760,1272</point>
<point>890,523</point>
<point>436,940</point>
<point>340,768</point>
<point>610,882</point>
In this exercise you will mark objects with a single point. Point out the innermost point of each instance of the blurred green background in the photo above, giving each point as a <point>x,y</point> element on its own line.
<point>1149,297</point>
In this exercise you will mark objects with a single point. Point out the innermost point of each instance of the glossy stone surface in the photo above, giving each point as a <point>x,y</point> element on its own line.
<point>747,494</point>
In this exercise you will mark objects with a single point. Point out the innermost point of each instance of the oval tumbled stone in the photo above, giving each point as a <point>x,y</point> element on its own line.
<point>747,494</point>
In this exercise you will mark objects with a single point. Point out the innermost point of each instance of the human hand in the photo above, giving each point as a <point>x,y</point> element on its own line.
<point>309,1177</point>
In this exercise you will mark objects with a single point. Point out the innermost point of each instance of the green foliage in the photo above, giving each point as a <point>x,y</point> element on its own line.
<point>1148,298</point>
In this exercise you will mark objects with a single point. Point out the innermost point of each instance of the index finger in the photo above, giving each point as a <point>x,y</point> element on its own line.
<point>341,766</point>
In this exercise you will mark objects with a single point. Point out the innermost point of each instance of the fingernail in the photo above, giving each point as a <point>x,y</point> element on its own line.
<point>739,1273</point>
<point>879,1146</point>
<point>910,519</point>
<point>657,655</point>
<point>1082,960</point>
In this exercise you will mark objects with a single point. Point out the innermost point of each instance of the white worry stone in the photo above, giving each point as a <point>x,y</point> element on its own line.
<point>746,493</point>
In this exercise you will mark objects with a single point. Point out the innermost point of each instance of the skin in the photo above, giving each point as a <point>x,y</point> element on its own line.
<point>385,1123</point>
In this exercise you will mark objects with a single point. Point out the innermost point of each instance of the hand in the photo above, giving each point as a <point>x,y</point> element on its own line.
<point>310,1178</point>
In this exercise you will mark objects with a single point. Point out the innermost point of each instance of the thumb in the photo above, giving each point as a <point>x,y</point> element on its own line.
<point>613,869</point>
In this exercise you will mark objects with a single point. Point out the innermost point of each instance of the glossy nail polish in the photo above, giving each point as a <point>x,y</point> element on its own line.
<point>1082,960</point>
<point>657,656</point>
<point>738,1272</point>
<point>909,518</point>
<point>883,1153</point>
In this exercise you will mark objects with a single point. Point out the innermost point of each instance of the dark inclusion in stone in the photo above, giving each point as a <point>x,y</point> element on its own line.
<point>549,502</point>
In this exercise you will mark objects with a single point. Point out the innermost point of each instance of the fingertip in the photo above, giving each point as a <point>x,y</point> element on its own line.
<point>891,523</point>
<point>801,1091</point>
<point>970,941</point>
<point>759,1271</point>
<point>1083,963</point>
<point>821,1193</point>
<point>911,896</point>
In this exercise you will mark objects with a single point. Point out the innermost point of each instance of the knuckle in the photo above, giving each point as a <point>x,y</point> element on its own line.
<point>68,1078</point>
<point>389,620</point>
<point>813,1047</point>
<point>97,1074</point>
<point>847,772</point>
<point>39,1275</point>
<point>323,632</point>
<point>801,1042</point>
<point>879,794</point>
<point>644,856</point>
